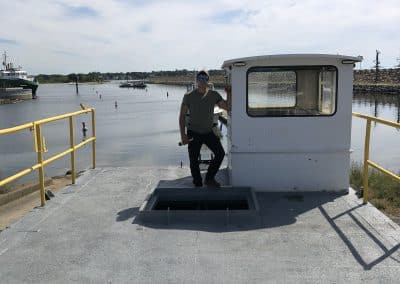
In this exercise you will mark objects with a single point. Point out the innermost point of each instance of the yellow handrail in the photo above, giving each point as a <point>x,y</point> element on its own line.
<point>367,161</point>
<point>39,147</point>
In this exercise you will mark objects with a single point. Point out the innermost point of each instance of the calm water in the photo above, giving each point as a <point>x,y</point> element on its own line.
<point>143,130</point>
<point>385,140</point>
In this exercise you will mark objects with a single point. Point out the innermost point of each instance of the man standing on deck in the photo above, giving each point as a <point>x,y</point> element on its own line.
<point>200,102</point>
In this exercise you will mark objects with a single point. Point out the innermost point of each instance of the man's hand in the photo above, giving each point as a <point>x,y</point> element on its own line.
<point>185,139</point>
<point>228,89</point>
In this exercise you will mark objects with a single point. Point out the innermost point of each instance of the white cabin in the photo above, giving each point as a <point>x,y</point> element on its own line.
<point>13,74</point>
<point>290,124</point>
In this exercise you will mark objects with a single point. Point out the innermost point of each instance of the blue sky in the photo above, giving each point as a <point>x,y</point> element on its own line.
<point>143,35</point>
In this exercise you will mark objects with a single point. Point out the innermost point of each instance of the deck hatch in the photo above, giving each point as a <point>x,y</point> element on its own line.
<point>226,205</point>
<point>201,204</point>
<point>226,198</point>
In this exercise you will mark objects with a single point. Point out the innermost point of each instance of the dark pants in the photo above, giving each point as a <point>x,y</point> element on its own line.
<point>214,144</point>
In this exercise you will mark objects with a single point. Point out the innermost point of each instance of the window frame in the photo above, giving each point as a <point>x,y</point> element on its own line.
<point>293,68</point>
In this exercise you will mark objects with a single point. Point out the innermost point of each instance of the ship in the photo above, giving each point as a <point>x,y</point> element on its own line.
<point>139,84</point>
<point>15,78</point>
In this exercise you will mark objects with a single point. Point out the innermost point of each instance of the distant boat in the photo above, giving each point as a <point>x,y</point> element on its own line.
<point>133,84</point>
<point>15,77</point>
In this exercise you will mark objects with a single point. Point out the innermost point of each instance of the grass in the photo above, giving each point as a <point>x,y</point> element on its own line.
<point>4,189</point>
<point>384,191</point>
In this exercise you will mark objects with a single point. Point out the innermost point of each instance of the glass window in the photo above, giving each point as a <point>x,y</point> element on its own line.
<point>291,91</point>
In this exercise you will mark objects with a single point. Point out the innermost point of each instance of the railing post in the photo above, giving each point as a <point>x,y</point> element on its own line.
<point>366,159</point>
<point>72,146</point>
<point>94,140</point>
<point>40,161</point>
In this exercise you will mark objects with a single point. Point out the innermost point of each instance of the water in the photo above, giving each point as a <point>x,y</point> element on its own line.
<point>143,129</point>
<point>385,140</point>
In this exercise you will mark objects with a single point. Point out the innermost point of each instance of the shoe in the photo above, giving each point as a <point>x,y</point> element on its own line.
<point>198,184</point>
<point>212,183</point>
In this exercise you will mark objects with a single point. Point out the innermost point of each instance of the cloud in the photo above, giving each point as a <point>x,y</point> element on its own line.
<point>136,2</point>
<point>7,41</point>
<point>95,39</point>
<point>226,17</point>
<point>145,28</point>
<point>145,35</point>
<point>79,11</point>
<point>67,53</point>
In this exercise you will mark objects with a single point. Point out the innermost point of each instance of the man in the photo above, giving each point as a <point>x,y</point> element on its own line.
<point>200,102</point>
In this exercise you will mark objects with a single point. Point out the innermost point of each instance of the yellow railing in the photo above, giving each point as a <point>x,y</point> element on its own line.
<point>367,161</point>
<point>40,147</point>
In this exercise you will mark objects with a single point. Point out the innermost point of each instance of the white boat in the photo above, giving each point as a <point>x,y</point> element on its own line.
<point>11,73</point>
<point>15,77</point>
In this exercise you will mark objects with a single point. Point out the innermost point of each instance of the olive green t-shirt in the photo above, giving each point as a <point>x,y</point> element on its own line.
<point>201,109</point>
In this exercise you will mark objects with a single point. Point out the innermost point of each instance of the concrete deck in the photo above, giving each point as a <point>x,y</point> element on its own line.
<point>90,233</point>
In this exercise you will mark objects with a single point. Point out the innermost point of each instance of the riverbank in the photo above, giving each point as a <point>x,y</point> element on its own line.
<point>364,77</point>
<point>218,80</point>
<point>363,82</point>
<point>357,88</point>
<point>383,190</point>
<point>18,200</point>
<point>388,89</point>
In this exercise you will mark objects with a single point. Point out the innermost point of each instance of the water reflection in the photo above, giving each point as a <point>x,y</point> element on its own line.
<point>384,139</point>
<point>379,102</point>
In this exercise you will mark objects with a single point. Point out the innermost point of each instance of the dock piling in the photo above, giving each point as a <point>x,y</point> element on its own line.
<point>76,84</point>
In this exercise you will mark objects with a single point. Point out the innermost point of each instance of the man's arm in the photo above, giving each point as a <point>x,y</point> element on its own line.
<point>182,116</point>
<point>226,104</point>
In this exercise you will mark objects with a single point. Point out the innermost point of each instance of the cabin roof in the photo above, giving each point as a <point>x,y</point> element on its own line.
<point>310,57</point>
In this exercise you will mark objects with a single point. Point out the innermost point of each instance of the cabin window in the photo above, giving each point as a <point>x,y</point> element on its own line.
<point>292,91</point>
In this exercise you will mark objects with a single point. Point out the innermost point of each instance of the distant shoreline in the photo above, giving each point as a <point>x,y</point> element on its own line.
<point>389,76</point>
<point>359,88</point>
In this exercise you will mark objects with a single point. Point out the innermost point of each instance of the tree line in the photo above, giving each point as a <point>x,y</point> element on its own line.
<point>100,77</point>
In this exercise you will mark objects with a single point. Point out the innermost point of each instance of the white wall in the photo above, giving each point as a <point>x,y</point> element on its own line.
<point>277,153</point>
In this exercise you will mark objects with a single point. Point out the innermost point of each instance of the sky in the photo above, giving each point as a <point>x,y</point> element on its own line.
<point>56,36</point>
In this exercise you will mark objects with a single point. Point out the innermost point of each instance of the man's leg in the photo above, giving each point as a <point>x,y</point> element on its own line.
<point>194,152</point>
<point>214,144</point>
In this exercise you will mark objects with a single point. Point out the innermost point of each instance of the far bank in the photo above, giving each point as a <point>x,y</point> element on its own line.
<point>365,81</point>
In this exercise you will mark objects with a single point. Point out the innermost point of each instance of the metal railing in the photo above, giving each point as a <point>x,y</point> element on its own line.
<point>367,161</point>
<point>39,146</point>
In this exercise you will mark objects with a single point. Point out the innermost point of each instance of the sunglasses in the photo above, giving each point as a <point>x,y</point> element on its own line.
<point>203,78</point>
